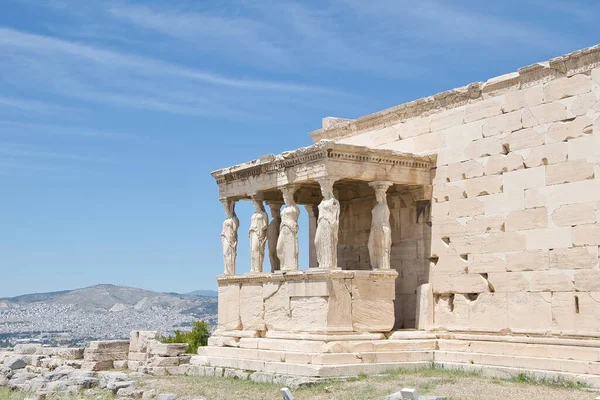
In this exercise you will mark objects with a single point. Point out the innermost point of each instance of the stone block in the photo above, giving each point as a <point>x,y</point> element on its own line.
<point>577,312</point>
<point>551,281</point>
<point>229,307</point>
<point>509,282</point>
<point>586,235</point>
<point>544,114</point>
<point>482,186</point>
<point>535,260</point>
<point>485,224</point>
<point>523,139</point>
<point>28,348</point>
<point>584,147</point>
<point>485,147</point>
<point>500,163</point>
<point>134,356</point>
<point>521,220</point>
<point>373,315</point>
<point>547,154</point>
<point>567,87</point>
<point>97,365</point>
<point>571,171</point>
<point>308,288</point>
<point>138,340</point>
<point>100,357</point>
<point>504,123</point>
<point>413,127</point>
<point>339,315</point>
<point>502,242</point>
<point>524,98</point>
<point>464,170</point>
<point>562,131</point>
<point>465,208</point>
<point>583,103</point>
<point>447,119</point>
<point>425,307</point>
<point>308,313</point>
<point>483,109</point>
<point>163,361</point>
<point>587,280</point>
<point>567,193</point>
<point>372,289</point>
<point>488,312</point>
<point>551,238</point>
<point>167,349</point>
<point>458,283</point>
<point>120,364</point>
<point>574,258</point>
<point>277,306</point>
<point>251,306</point>
<point>530,312</point>
<point>524,179</point>
<point>108,346</point>
<point>448,191</point>
<point>486,263</point>
<point>504,202</point>
<point>574,214</point>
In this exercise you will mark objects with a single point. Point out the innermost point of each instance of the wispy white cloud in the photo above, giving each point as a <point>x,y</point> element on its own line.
<point>20,151</point>
<point>18,128</point>
<point>33,106</point>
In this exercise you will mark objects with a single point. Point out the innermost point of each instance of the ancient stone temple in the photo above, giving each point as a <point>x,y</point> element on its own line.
<point>460,229</point>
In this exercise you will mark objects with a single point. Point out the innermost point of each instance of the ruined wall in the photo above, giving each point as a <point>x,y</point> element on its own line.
<point>516,195</point>
<point>409,251</point>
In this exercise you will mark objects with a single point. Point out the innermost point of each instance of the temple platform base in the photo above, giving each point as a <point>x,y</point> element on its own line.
<point>325,356</point>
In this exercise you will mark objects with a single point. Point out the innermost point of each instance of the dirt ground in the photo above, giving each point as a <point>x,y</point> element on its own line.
<point>452,384</point>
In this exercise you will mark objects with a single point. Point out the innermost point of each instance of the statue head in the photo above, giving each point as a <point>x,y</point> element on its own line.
<point>288,195</point>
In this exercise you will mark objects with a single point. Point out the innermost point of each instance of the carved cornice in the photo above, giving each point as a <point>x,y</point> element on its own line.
<point>322,151</point>
<point>309,275</point>
<point>567,65</point>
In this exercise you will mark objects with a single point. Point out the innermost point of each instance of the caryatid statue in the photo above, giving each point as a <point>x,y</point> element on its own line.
<point>257,235</point>
<point>287,244</point>
<point>380,238</point>
<point>328,223</point>
<point>229,237</point>
<point>273,234</point>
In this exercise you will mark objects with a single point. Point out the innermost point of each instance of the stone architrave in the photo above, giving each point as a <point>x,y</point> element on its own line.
<point>273,235</point>
<point>229,237</point>
<point>380,237</point>
<point>326,236</point>
<point>257,235</point>
<point>287,244</point>
<point>313,213</point>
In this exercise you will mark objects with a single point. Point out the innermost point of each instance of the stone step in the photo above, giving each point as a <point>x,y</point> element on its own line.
<point>316,358</point>
<point>559,341</point>
<point>535,363</point>
<point>345,346</point>
<point>522,349</point>
<point>494,371</point>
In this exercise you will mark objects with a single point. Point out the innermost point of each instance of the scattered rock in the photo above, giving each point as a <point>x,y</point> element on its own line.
<point>130,392</point>
<point>15,363</point>
<point>166,396</point>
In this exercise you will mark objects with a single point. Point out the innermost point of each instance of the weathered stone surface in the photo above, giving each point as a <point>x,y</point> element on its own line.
<point>500,163</point>
<point>28,348</point>
<point>166,396</point>
<point>551,238</point>
<point>567,87</point>
<point>229,307</point>
<point>108,346</point>
<point>485,263</point>
<point>572,171</point>
<point>253,309</point>
<point>504,123</point>
<point>524,98</point>
<point>574,258</point>
<point>585,235</point>
<point>372,315</point>
<point>547,154</point>
<point>564,130</point>
<point>530,311</point>
<point>485,224</point>
<point>15,363</point>
<point>535,260</point>
<point>521,220</point>
<point>543,114</point>
<point>502,242</point>
<point>523,139</point>
<point>167,349</point>
<point>483,186</point>
<point>574,214</point>
<point>138,340</point>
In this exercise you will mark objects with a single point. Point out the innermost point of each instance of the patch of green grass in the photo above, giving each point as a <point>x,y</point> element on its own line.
<point>7,394</point>
<point>557,382</point>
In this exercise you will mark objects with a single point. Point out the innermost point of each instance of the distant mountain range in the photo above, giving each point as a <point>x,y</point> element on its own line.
<point>103,311</point>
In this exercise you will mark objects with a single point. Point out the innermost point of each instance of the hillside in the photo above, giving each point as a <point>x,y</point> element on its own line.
<point>100,312</point>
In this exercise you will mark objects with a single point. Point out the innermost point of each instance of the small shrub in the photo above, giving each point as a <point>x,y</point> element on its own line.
<point>197,337</point>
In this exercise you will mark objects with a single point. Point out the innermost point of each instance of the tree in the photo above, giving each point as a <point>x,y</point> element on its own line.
<point>197,337</point>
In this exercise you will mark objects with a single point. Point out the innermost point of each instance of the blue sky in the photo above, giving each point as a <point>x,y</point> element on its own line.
<point>113,114</point>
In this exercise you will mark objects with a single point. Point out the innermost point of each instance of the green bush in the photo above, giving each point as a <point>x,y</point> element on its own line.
<point>197,337</point>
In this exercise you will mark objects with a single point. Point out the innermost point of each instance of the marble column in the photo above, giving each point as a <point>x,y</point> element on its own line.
<point>229,237</point>
<point>273,234</point>
<point>328,223</point>
<point>287,244</point>
<point>258,234</point>
<point>313,213</point>
<point>380,237</point>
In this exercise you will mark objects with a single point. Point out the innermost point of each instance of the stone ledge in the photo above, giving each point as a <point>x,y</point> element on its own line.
<point>308,275</point>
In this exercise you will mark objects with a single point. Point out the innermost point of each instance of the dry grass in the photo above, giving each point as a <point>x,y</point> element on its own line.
<point>453,384</point>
